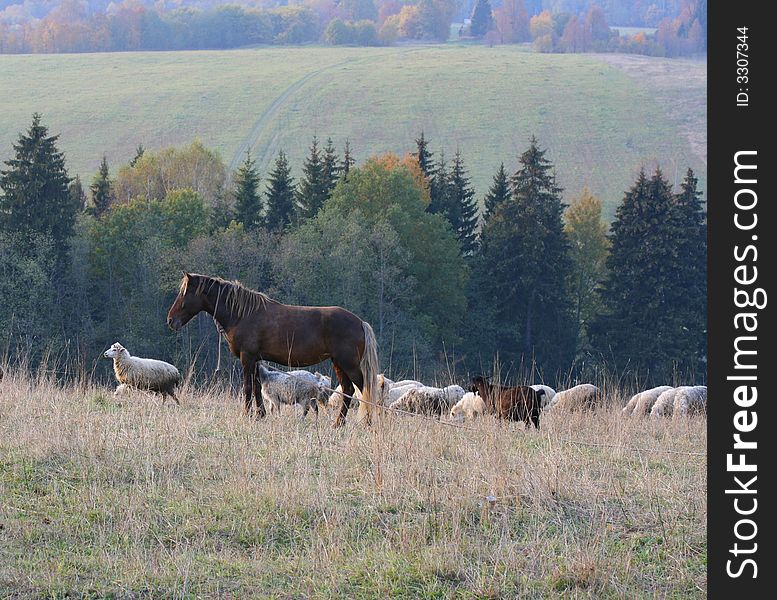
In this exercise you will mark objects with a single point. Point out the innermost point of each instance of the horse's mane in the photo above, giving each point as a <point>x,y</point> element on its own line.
<point>240,300</point>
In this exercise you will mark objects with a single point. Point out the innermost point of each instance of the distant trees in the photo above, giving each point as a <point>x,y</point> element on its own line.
<point>280,195</point>
<point>397,244</point>
<point>313,189</point>
<point>35,199</point>
<point>154,174</point>
<point>482,19</point>
<point>522,271</point>
<point>101,189</point>
<point>653,298</point>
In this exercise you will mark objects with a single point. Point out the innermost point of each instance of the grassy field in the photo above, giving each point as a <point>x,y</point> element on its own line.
<point>599,118</point>
<point>131,499</point>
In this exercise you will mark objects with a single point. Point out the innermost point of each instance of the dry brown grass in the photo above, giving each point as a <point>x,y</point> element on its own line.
<point>129,499</point>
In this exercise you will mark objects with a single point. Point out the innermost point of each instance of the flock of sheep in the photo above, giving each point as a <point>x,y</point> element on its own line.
<point>518,403</point>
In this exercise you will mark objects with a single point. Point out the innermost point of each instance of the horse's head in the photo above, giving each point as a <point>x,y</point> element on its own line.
<point>187,304</point>
<point>480,385</point>
<point>115,351</point>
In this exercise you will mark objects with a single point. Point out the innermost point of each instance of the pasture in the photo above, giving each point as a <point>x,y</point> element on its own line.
<point>599,117</point>
<point>126,498</point>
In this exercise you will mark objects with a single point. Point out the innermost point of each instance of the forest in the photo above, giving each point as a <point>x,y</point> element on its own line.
<point>667,29</point>
<point>529,275</point>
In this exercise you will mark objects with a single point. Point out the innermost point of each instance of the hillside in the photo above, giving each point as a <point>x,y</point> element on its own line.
<point>599,122</point>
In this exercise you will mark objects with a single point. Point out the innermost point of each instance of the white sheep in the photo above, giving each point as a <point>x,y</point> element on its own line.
<point>664,404</point>
<point>581,397</point>
<point>145,374</point>
<point>335,401</point>
<point>294,387</point>
<point>690,400</point>
<point>429,400</point>
<point>547,396</point>
<point>469,407</point>
<point>640,404</point>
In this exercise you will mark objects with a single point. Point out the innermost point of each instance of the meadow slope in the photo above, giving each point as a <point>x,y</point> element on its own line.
<point>599,118</point>
<point>131,499</point>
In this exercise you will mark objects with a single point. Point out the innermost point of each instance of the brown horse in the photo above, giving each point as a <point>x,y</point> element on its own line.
<point>260,328</point>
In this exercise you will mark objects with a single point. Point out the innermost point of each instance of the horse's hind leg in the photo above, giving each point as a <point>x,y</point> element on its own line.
<point>347,386</point>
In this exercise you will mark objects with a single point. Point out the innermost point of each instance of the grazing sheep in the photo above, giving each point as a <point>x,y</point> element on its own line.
<point>581,397</point>
<point>518,403</point>
<point>664,404</point>
<point>406,382</point>
<point>145,374</point>
<point>335,400</point>
<point>640,404</point>
<point>469,407</point>
<point>429,400</point>
<point>549,393</point>
<point>690,400</point>
<point>293,387</point>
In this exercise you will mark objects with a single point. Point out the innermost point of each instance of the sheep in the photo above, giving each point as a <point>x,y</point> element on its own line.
<point>581,397</point>
<point>664,404</point>
<point>389,391</point>
<point>335,400</point>
<point>428,400</point>
<point>145,374</point>
<point>469,407</point>
<point>294,387</point>
<point>549,393</point>
<point>640,404</point>
<point>690,400</point>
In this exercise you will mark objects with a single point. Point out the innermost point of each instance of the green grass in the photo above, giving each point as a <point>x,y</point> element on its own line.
<point>600,123</point>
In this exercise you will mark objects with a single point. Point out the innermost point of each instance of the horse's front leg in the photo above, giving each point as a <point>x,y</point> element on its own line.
<point>260,410</point>
<point>249,382</point>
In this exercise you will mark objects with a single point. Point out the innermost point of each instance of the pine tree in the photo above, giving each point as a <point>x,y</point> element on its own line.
<point>138,155</point>
<point>312,192</point>
<point>522,270</point>
<point>648,325</point>
<point>482,18</point>
<point>35,185</point>
<point>348,161</point>
<point>77,194</point>
<point>102,195</point>
<point>332,167</point>
<point>439,187</point>
<point>423,156</point>
<point>462,209</point>
<point>280,195</point>
<point>498,193</point>
<point>248,202</point>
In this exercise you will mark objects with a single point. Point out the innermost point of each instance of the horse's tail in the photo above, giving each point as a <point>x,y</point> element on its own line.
<point>369,366</point>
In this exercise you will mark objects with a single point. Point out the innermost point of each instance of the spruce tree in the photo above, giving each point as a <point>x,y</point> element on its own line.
<point>332,167</point>
<point>312,191</point>
<point>248,202</point>
<point>348,160</point>
<point>522,271</point>
<point>77,194</point>
<point>35,197</point>
<point>138,155</point>
<point>648,325</point>
<point>462,210</point>
<point>498,193</point>
<point>439,187</point>
<point>101,189</point>
<point>482,18</point>
<point>280,195</point>
<point>423,156</point>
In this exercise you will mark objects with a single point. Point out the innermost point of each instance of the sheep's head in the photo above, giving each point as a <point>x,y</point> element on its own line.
<point>457,412</point>
<point>115,351</point>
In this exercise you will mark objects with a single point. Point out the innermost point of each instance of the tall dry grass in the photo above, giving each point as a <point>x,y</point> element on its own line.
<point>129,499</point>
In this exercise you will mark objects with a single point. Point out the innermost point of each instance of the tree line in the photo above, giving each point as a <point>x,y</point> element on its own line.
<point>552,26</point>
<point>527,280</point>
